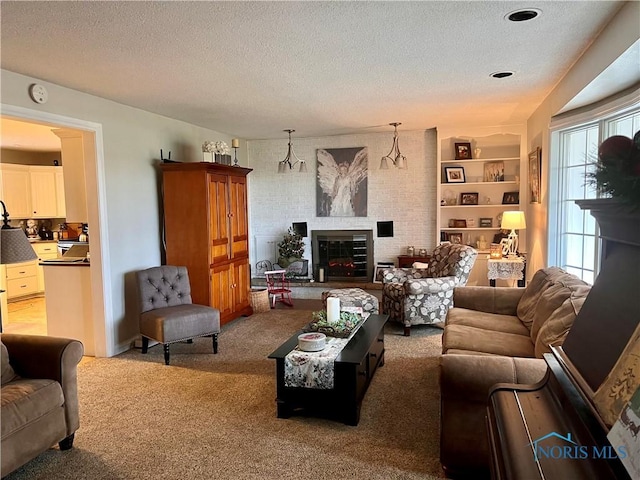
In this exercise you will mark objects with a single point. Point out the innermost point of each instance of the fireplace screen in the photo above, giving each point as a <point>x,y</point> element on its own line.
<point>345,254</point>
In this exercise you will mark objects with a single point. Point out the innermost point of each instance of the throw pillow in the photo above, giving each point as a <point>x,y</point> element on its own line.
<point>560,321</point>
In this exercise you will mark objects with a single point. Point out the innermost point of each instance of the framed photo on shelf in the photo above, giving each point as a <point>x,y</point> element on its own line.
<point>511,198</point>
<point>455,238</point>
<point>463,151</point>
<point>377,274</point>
<point>459,223</point>
<point>494,172</point>
<point>469,198</point>
<point>454,174</point>
<point>535,164</point>
<point>486,222</point>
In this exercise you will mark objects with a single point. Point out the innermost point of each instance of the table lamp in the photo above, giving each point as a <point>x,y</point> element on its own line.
<point>14,245</point>
<point>513,220</point>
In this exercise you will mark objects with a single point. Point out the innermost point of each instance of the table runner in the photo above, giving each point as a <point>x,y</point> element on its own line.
<point>505,268</point>
<point>315,369</point>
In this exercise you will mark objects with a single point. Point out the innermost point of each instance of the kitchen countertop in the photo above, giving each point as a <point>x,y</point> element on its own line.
<point>61,263</point>
<point>31,240</point>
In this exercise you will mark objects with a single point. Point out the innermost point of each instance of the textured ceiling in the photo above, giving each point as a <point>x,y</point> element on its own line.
<point>252,69</point>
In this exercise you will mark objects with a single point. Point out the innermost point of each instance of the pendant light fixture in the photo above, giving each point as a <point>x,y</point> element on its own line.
<point>394,156</point>
<point>291,159</point>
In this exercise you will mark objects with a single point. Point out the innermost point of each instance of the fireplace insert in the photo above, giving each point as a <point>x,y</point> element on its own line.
<point>345,254</point>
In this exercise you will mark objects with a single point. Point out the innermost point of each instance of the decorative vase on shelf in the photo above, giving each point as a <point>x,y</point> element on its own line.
<point>207,157</point>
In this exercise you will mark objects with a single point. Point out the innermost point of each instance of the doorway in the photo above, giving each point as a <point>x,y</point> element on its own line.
<point>101,311</point>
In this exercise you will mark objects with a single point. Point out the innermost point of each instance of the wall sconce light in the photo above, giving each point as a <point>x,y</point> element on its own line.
<point>397,159</point>
<point>291,159</point>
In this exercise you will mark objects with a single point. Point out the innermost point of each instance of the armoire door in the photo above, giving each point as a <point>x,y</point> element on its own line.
<point>241,284</point>
<point>219,218</point>
<point>238,217</point>
<point>222,290</point>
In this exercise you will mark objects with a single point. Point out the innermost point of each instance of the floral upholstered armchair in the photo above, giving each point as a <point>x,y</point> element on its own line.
<point>414,296</point>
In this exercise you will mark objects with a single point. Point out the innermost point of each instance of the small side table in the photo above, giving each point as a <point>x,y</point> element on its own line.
<point>405,261</point>
<point>506,269</point>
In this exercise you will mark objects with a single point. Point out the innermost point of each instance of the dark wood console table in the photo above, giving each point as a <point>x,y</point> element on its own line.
<point>405,261</point>
<point>354,369</point>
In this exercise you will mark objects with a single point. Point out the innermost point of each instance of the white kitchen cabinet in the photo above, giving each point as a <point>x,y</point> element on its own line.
<point>44,202</point>
<point>22,279</point>
<point>75,146</point>
<point>32,191</point>
<point>15,190</point>
<point>45,251</point>
<point>60,199</point>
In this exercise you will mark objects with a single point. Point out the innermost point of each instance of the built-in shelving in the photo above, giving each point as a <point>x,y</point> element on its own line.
<point>500,148</point>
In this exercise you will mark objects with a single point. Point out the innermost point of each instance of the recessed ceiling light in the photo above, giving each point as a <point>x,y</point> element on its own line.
<point>523,15</point>
<point>501,74</point>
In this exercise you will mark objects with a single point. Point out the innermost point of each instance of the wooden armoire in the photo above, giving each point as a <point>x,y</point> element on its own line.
<point>206,230</point>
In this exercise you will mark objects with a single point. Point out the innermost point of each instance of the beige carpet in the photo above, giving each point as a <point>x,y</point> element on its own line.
<point>213,417</point>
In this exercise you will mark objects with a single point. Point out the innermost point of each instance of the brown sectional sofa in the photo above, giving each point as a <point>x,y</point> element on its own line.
<point>497,335</point>
<point>39,396</point>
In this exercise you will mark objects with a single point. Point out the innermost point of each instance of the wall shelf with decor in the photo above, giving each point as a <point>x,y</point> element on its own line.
<point>479,178</point>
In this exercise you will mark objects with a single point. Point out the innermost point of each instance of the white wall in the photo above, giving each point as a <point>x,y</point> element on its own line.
<point>406,197</point>
<point>620,34</point>
<point>131,142</point>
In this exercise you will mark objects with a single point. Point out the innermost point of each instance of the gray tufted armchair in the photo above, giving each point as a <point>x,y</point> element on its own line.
<point>166,312</point>
<point>414,296</point>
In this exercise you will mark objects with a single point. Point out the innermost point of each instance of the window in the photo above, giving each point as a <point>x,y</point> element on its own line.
<point>573,233</point>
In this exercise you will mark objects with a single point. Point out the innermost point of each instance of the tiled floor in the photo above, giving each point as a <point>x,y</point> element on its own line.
<point>26,317</point>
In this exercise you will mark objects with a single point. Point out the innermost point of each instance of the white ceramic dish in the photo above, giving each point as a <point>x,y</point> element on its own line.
<point>312,342</point>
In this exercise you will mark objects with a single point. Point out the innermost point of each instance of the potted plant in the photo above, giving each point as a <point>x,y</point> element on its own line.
<point>290,250</point>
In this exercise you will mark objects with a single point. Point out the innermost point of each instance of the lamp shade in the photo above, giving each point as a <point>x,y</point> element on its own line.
<point>513,220</point>
<point>15,247</point>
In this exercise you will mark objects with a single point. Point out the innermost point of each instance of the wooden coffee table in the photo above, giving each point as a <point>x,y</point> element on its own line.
<point>354,369</point>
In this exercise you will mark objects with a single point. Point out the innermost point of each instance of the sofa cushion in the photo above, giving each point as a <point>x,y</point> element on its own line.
<point>531,296</point>
<point>26,400</point>
<point>546,292</point>
<point>486,321</point>
<point>556,328</point>
<point>7,372</point>
<point>179,322</point>
<point>463,337</point>
<point>562,288</point>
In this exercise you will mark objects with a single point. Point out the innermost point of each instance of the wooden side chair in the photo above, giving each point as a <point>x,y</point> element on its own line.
<point>278,287</point>
<point>167,314</point>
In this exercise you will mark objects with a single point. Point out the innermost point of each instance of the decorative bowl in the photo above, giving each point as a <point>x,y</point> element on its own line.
<point>312,342</point>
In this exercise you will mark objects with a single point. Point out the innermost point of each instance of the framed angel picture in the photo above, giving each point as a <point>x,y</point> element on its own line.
<point>341,189</point>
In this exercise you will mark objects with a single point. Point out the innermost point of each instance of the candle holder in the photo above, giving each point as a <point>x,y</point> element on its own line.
<point>495,252</point>
<point>235,157</point>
